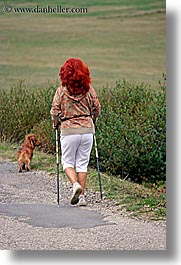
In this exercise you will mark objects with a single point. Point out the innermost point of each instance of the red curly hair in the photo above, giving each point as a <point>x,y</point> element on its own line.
<point>75,75</point>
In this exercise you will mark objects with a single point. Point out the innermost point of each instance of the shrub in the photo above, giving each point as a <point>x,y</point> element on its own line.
<point>131,132</point>
<point>21,109</point>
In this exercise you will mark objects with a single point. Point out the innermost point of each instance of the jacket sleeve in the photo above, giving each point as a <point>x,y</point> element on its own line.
<point>96,106</point>
<point>56,106</point>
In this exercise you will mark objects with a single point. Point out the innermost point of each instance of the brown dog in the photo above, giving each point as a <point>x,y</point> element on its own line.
<point>25,153</point>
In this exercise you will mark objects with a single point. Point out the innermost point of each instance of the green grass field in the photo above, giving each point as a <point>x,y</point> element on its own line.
<point>118,40</point>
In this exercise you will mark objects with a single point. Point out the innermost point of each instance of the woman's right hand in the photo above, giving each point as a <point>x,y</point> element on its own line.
<point>55,124</point>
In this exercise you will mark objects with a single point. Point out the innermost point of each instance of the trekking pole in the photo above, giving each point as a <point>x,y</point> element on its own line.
<point>57,166</point>
<point>97,163</point>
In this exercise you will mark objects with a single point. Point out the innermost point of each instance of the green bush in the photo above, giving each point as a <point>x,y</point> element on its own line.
<point>21,109</point>
<point>131,130</point>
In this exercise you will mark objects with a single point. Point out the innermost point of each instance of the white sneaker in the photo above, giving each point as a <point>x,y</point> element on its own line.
<point>76,192</point>
<point>82,201</point>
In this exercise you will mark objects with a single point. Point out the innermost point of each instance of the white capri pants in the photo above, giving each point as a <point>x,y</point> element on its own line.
<point>76,149</point>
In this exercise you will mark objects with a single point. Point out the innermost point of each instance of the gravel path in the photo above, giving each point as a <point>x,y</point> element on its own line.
<point>118,231</point>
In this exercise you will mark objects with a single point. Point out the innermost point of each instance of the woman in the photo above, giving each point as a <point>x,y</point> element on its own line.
<point>77,107</point>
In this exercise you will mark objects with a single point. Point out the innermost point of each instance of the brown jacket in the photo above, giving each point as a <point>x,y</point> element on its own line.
<point>75,112</point>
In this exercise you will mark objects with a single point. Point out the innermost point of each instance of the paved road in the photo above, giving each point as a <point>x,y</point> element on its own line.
<point>31,220</point>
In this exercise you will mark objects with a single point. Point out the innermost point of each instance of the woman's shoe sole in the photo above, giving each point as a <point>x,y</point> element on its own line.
<point>75,197</point>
